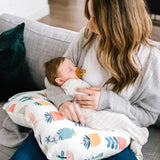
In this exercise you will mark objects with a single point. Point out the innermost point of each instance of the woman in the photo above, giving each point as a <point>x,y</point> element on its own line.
<point>121,63</point>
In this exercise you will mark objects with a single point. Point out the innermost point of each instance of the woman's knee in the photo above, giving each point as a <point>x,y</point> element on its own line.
<point>21,155</point>
<point>126,154</point>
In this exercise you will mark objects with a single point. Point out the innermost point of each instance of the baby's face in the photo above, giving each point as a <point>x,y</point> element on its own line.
<point>67,70</point>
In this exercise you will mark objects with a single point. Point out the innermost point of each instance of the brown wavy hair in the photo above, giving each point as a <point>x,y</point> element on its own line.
<point>123,25</point>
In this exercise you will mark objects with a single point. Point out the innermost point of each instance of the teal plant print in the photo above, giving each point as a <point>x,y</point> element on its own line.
<point>98,156</point>
<point>48,117</point>
<point>50,139</point>
<point>112,142</point>
<point>40,139</point>
<point>61,156</point>
<point>42,94</point>
<point>86,141</point>
<point>23,99</point>
<point>37,104</point>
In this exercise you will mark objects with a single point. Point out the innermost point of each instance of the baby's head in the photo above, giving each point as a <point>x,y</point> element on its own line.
<point>59,70</point>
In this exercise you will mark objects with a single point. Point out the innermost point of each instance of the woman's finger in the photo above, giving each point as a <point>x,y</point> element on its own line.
<point>95,88</point>
<point>85,91</point>
<point>86,103</point>
<point>74,117</point>
<point>89,107</point>
<point>83,97</point>
<point>79,115</point>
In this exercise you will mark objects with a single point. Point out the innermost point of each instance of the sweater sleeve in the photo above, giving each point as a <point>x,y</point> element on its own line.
<point>144,107</point>
<point>55,93</point>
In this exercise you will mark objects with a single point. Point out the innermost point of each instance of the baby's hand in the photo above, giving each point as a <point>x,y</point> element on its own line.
<point>72,112</point>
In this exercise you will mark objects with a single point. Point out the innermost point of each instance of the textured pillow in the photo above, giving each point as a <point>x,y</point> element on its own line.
<point>58,137</point>
<point>14,74</point>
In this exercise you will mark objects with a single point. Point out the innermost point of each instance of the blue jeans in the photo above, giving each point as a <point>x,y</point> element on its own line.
<point>30,150</point>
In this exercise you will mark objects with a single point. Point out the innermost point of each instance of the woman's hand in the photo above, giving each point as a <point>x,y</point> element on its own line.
<point>72,112</point>
<point>91,100</point>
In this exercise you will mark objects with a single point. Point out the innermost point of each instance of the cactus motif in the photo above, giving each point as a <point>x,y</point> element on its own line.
<point>116,143</point>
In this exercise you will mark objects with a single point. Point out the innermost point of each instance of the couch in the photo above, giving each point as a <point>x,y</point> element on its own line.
<point>43,42</point>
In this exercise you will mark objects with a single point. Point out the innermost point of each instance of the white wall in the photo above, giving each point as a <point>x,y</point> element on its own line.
<point>32,9</point>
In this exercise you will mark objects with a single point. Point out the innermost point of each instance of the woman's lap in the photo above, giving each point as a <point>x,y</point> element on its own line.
<point>126,154</point>
<point>29,150</point>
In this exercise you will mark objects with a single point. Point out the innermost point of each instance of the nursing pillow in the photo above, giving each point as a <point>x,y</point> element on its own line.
<point>58,137</point>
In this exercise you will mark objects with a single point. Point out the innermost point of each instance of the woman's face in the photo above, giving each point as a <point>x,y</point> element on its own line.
<point>92,22</point>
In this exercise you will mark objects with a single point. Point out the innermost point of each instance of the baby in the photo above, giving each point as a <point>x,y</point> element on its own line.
<point>62,72</point>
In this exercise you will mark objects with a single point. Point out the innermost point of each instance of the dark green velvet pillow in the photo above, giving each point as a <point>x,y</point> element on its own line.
<point>14,73</point>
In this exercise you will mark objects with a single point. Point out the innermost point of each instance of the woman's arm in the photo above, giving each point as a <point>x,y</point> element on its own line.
<point>144,107</point>
<point>55,93</point>
<point>143,112</point>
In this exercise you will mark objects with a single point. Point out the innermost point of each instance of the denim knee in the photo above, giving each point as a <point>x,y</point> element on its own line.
<point>126,154</point>
<point>29,150</point>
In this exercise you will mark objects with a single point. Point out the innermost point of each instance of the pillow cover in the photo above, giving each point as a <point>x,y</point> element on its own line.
<point>14,74</point>
<point>58,137</point>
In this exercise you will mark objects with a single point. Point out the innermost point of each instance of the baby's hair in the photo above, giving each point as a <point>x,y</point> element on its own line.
<point>51,69</point>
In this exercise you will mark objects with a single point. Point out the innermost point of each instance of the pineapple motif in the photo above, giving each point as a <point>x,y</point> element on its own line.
<point>25,98</point>
<point>91,140</point>
<point>62,134</point>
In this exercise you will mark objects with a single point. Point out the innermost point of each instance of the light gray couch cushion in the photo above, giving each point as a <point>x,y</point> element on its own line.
<point>151,150</point>
<point>3,114</point>
<point>42,43</point>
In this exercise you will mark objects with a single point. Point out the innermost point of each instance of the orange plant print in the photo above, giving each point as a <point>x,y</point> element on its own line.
<point>11,108</point>
<point>91,140</point>
<point>56,116</point>
<point>122,143</point>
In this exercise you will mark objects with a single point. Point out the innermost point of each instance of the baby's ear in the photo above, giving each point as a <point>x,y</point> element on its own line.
<point>59,81</point>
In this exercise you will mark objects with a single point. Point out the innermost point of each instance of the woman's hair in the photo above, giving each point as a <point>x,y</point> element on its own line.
<point>51,69</point>
<point>122,25</point>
